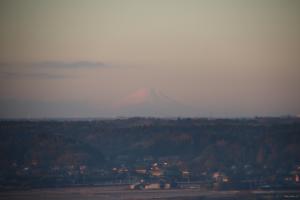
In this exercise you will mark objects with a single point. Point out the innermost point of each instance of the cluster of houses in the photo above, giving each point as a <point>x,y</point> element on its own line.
<point>159,174</point>
<point>153,170</point>
<point>153,185</point>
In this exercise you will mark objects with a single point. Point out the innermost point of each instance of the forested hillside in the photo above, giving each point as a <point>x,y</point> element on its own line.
<point>211,143</point>
<point>199,145</point>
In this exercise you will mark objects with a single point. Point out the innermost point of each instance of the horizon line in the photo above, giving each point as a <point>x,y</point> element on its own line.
<point>142,117</point>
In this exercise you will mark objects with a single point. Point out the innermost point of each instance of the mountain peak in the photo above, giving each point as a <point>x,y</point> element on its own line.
<point>148,102</point>
<point>137,97</point>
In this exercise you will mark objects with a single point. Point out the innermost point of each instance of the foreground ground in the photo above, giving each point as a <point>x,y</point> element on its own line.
<point>122,193</point>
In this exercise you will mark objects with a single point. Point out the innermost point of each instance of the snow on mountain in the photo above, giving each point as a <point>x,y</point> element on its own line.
<point>151,103</point>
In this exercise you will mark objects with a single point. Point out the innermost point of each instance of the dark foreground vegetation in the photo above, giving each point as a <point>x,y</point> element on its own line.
<point>258,153</point>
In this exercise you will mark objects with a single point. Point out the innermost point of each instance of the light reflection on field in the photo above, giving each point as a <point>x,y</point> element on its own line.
<point>123,193</point>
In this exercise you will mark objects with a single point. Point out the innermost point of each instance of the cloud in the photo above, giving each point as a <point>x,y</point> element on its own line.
<point>31,75</point>
<point>57,64</point>
<point>45,69</point>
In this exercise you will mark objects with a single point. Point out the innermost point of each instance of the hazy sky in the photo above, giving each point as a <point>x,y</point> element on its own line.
<point>226,58</point>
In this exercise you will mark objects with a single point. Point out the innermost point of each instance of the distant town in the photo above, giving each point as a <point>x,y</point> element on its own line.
<point>150,153</point>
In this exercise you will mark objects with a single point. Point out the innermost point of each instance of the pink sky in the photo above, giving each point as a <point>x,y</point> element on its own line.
<point>86,58</point>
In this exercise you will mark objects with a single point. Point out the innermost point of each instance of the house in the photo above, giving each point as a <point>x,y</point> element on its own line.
<point>297,178</point>
<point>153,186</point>
<point>185,173</point>
<point>155,171</point>
<point>82,168</point>
<point>220,177</point>
<point>141,171</point>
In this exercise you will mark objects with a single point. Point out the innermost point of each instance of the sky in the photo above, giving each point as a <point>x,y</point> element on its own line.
<point>162,58</point>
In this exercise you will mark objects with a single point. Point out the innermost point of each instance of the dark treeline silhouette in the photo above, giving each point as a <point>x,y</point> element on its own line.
<point>243,149</point>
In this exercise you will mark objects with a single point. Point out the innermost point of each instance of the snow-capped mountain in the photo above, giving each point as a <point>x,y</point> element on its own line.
<point>150,102</point>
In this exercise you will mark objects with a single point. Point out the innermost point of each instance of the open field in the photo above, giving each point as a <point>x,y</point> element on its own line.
<point>122,193</point>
